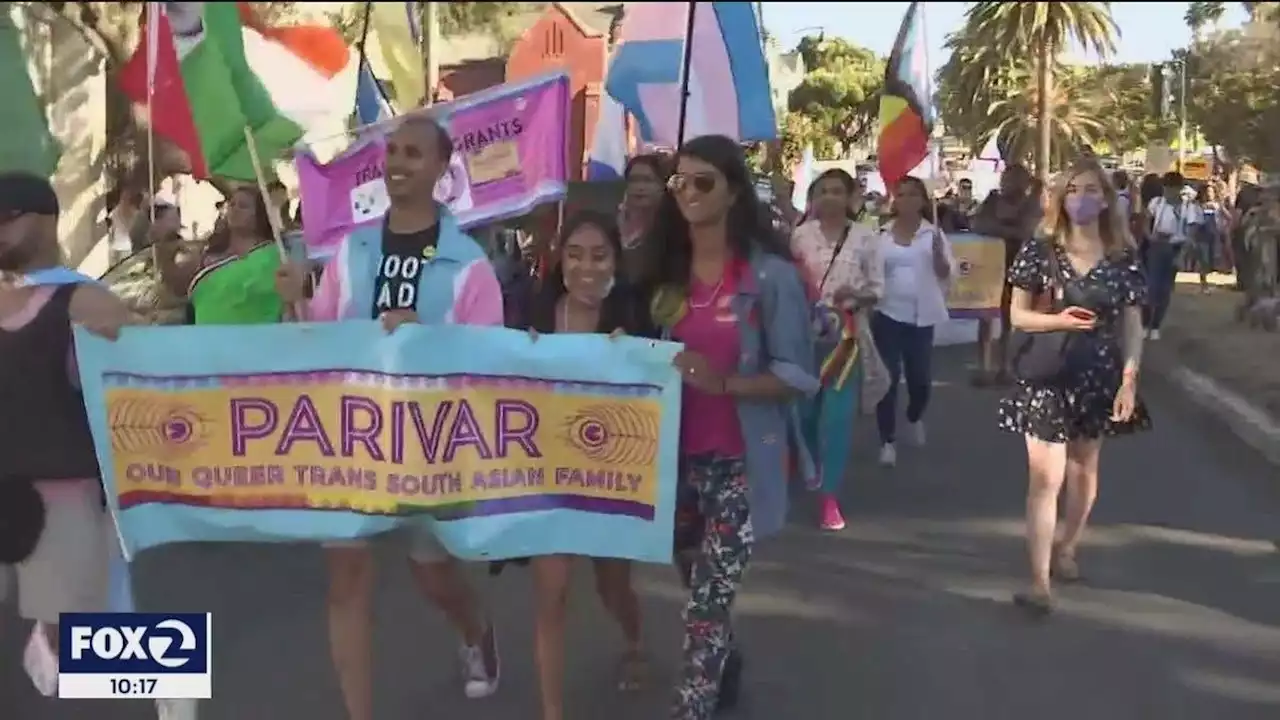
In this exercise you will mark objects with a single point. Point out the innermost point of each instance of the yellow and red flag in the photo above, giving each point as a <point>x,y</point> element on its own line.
<point>906,110</point>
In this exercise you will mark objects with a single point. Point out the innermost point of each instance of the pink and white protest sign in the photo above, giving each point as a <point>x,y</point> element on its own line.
<point>508,157</point>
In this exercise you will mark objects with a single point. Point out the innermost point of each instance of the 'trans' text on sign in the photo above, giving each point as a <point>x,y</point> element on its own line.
<point>385,445</point>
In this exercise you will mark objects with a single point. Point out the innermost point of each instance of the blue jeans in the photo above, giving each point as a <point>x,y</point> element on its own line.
<point>1161,259</point>
<point>907,350</point>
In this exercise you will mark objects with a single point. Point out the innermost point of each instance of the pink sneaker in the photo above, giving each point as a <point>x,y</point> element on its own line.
<point>830,513</point>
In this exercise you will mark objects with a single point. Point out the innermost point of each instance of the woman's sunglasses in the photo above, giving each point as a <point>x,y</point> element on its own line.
<point>702,182</point>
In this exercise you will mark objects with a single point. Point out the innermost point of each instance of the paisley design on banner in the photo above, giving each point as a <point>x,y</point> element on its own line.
<point>614,434</point>
<point>169,431</point>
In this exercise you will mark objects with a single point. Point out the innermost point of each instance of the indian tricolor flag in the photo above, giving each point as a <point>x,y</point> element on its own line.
<point>906,115</point>
<point>206,71</point>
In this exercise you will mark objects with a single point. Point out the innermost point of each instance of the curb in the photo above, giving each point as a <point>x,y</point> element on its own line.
<point>1258,429</point>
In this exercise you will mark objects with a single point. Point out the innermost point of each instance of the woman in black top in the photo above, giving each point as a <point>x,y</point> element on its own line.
<point>585,292</point>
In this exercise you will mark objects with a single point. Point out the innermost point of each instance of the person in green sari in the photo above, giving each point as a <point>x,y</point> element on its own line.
<point>232,281</point>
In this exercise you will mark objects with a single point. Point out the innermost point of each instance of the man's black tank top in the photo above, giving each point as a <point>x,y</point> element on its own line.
<point>44,428</point>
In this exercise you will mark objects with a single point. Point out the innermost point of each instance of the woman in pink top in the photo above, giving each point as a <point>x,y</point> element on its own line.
<point>843,272</point>
<point>729,290</point>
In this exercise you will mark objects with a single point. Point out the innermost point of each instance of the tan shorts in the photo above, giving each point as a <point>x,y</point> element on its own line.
<point>423,545</point>
<point>67,572</point>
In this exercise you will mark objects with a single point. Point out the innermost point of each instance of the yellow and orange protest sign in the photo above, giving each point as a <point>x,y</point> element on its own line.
<point>978,281</point>
<point>384,444</point>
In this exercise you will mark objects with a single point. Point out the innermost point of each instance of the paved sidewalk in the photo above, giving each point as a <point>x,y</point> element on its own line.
<point>903,616</point>
<point>1230,369</point>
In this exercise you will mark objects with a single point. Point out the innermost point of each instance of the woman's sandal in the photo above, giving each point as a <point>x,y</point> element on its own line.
<point>1035,604</point>
<point>1065,567</point>
<point>633,671</point>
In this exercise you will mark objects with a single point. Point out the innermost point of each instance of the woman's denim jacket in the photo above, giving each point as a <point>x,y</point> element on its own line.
<point>776,337</point>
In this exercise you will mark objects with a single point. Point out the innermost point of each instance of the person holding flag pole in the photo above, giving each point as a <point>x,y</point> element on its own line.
<point>918,261</point>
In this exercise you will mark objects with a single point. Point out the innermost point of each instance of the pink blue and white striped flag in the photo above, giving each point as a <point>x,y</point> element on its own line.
<point>607,159</point>
<point>728,77</point>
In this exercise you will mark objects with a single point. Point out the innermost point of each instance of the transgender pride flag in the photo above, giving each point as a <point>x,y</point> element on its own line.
<point>728,78</point>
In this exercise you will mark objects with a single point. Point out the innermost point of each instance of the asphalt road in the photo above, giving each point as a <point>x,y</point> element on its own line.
<point>903,616</point>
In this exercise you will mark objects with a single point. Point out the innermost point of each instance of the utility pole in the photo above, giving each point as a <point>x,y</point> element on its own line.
<point>431,50</point>
<point>1182,114</point>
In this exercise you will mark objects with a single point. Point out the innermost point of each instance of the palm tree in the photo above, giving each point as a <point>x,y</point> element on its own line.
<point>1043,30</point>
<point>970,83</point>
<point>1075,124</point>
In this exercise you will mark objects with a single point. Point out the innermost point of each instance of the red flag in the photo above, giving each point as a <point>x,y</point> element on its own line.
<point>170,112</point>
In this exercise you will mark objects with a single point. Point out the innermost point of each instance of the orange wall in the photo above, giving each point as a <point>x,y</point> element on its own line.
<point>557,42</point>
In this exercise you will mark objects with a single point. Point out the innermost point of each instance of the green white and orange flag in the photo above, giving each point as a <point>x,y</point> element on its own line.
<point>26,143</point>
<point>206,71</point>
<point>906,110</point>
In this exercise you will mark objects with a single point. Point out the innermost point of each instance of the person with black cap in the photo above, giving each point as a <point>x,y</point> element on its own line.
<point>53,524</point>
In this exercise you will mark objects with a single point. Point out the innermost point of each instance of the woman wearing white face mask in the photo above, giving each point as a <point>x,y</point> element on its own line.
<point>585,292</point>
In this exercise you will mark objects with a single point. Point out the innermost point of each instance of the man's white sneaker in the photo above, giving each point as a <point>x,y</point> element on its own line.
<point>1153,334</point>
<point>481,681</point>
<point>40,659</point>
<point>888,455</point>
<point>915,433</point>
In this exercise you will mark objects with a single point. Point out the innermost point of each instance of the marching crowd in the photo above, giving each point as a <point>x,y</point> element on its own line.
<point>788,338</point>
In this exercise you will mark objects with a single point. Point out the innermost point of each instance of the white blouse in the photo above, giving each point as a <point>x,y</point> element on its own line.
<point>913,292</point>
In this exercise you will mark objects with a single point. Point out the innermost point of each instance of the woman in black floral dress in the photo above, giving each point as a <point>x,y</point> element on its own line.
<point>1065,421</point>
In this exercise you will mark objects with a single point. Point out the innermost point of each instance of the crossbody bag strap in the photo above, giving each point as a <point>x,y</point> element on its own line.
<point>1057,280</point>
<point>835,253</point>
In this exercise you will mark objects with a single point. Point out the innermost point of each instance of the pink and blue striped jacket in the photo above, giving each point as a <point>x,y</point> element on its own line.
<point>458,286</point>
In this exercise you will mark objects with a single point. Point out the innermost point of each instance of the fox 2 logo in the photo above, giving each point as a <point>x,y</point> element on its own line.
<point>147,643</point>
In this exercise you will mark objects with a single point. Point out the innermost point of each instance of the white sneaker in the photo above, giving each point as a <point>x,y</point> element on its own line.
<point>1153,334</point>
<point>888,455</point>
<point>477,683</point>
<point>915,433</point>
<point>40,660</point>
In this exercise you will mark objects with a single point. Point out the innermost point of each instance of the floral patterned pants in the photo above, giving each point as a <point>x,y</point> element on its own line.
<point>713,530</point>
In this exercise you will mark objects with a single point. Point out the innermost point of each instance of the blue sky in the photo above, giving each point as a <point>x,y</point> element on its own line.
<point>1149,31</point>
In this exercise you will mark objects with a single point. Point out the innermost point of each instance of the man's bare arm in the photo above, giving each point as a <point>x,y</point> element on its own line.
<point>100,311</point>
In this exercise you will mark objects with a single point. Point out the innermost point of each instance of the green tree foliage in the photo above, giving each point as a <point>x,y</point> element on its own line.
<point>456,18</point>
<point>1201,15</point>
<point>1234,94</point>
<point>1122,97</point>
<point>1025,35</point>
<point>837,103</point>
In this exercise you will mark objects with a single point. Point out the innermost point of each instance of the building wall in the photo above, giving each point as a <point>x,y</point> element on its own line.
<point>558,40</point>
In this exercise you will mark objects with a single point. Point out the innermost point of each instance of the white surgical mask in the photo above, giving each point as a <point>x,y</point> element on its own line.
<point>604,289</point>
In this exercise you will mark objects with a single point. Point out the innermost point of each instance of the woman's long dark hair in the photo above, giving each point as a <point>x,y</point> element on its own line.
<point>619,309</point>
<point>220,239</point>
<point>926,209</point>
<point>655,162</point>
<point>750,227</point>
<point>849,186</point>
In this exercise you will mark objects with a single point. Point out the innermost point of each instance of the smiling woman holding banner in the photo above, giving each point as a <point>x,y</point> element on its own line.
<point>585,292</point>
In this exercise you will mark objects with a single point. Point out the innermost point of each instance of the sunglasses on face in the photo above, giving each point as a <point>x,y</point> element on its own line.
<point>701,182</point>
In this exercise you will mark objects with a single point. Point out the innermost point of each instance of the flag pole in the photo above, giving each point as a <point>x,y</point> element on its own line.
<point>273,218</point>
<point>686,62</point>
<point>153,52</point>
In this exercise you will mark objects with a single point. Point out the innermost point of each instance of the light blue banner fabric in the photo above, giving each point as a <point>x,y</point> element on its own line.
<point>198,363</point>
